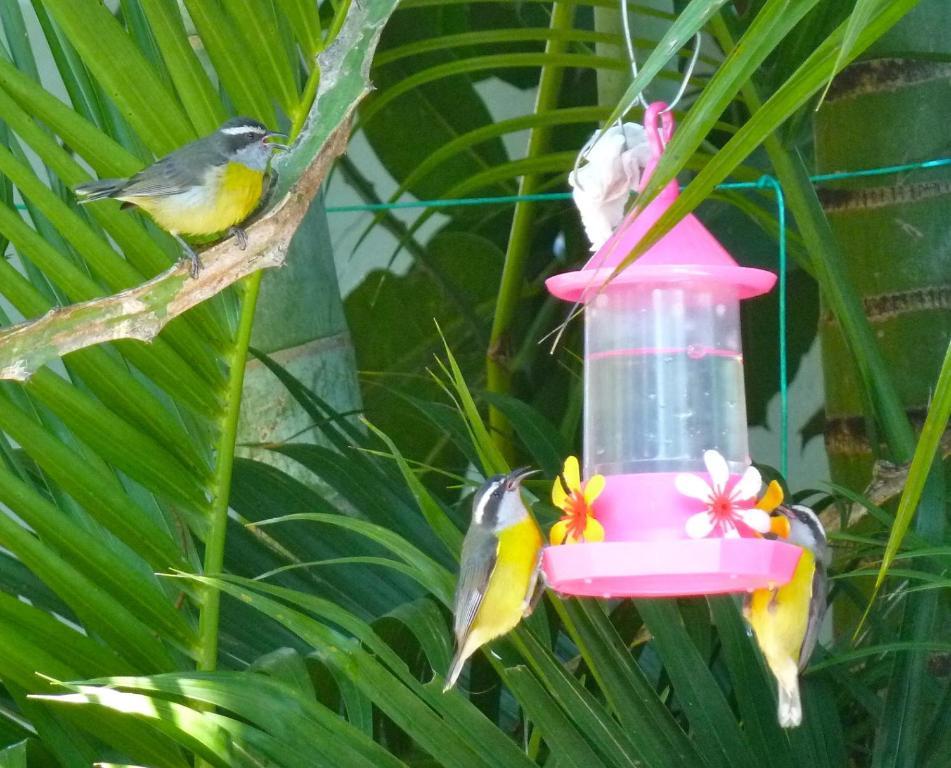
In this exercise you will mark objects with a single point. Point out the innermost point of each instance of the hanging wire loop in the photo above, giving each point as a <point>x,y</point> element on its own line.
<point>639,97</point>
<point>688,73</point>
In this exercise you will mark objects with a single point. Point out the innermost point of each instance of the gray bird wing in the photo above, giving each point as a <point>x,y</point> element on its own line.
<point>817,609</point>
<point>480,550</point>
<point>176,173</point>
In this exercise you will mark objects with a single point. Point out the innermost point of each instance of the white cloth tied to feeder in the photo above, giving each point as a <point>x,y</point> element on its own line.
<point>615,159</point>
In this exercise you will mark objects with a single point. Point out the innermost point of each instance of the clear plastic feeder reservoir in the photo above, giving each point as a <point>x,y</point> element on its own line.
<point>663,379</point>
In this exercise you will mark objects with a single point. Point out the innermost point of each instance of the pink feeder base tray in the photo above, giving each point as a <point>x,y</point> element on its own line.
<point>668,568</point>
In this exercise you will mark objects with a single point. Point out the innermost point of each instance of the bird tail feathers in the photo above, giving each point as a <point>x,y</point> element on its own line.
<point>790,706</point>
<point>463,651</point>
<point>98,190</point>
<point>454,669</point>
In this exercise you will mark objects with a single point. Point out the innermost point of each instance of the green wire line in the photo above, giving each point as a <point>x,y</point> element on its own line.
<point>764,182</point>
<point>541,197</point>
<point>885,170</point>
<point>453,202</point>
<point>770,182</point>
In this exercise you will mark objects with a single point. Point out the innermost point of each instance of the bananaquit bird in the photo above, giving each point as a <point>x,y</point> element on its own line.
<point>786,620</point>
<point>208,186</point>
<point>498,573</point>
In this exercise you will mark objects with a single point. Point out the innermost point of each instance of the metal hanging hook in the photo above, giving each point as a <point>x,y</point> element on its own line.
<point>659,125</point>
<point>639,98</point>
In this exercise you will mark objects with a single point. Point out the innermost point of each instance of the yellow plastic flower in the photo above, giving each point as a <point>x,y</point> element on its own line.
<point>576,500</point>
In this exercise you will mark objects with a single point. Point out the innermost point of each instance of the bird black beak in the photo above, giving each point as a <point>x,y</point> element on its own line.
<point>274,144</point>
<point>514,478</point>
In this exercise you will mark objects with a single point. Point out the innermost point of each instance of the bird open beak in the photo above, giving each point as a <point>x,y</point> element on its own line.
<point>779,525</point>
<point>514,478</point>
<point>274,144</point>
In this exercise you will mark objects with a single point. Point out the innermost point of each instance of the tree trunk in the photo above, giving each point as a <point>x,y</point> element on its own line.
<point>300,324</point>
<point>891,108</point>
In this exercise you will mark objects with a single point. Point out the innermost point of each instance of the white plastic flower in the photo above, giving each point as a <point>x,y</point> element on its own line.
<point>724,509</point>
<point>614,161</point>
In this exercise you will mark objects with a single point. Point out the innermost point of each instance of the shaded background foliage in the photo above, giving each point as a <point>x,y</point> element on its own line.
<point>117,466</point>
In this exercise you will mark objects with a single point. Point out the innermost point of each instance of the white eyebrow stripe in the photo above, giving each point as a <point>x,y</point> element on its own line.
<point>239,129</point>
<point>810,519</point>
<point>478,511</point>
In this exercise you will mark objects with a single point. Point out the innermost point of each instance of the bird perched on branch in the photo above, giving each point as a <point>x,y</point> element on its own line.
<point>786,620</point>
<point>205,187</point>
<point>499,568</point>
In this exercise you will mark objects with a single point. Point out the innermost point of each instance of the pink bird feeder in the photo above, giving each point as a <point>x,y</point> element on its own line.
<point>663,378</point>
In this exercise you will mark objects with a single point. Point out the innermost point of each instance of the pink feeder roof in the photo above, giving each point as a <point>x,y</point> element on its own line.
<point>687,252</point>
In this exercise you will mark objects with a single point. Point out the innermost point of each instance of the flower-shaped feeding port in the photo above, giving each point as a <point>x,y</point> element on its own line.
<point>663,388</point>
<point>725,507</point>
<point>576,500</point>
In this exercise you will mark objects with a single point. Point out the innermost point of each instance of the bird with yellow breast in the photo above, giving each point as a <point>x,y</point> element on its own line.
<point>786,620</point>
<point>208,186</point>
<point>498,570</point>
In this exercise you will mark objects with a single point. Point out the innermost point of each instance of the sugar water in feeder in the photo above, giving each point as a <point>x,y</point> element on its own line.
<point>663,387</point>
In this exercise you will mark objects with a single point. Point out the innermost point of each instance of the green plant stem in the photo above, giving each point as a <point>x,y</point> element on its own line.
<point>830,273</point>
<point>306,102</point>
<point>340,13</point>
<point>210,610</point>
<point>207,657</point>
<point>498,371</point>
